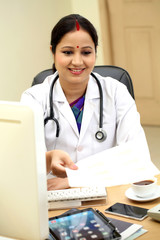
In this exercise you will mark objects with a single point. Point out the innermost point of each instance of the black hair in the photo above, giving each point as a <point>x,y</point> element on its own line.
<point>68,24</point>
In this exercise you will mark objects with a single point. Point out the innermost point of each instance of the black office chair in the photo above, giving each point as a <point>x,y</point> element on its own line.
<point>106,71</point>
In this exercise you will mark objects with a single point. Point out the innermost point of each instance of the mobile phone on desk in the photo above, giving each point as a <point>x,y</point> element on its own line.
<point>128,211</point>
<point>82,224</point>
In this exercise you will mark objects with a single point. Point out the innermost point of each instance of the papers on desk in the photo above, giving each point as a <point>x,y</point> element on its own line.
<point>128,231</point>
<point>123,164</point>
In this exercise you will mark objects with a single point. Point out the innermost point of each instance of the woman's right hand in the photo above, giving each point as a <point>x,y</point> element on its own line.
<point>57,160</point>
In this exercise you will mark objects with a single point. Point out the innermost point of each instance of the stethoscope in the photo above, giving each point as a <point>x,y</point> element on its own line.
<point>100,135</point>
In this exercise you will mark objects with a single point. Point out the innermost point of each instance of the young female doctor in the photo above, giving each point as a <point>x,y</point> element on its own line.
<point>70,99</point>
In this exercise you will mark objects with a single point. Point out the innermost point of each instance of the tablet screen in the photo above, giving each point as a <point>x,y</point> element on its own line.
<point>82,225</point>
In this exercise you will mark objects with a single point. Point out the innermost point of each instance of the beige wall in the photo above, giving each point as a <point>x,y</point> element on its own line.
<point>25,36</point>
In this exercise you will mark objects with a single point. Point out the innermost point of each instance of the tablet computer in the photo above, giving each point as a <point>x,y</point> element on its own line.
<point>82,224</point>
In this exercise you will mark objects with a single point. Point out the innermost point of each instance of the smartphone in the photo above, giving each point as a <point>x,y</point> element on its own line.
<point>128,211</point>
<point>82,224</point>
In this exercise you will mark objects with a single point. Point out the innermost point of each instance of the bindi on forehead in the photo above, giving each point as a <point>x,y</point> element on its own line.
<point>77,46</point>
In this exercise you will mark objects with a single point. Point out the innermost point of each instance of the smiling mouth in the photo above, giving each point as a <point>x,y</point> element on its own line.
<point>76,71</point>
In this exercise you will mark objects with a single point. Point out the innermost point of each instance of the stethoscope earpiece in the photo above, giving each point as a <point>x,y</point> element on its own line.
<point>101,135</point>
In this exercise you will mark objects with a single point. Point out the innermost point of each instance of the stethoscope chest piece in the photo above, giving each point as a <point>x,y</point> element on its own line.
<point>101,135</point>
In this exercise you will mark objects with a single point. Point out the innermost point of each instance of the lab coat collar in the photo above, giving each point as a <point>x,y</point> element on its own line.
<point>64,107</point>
<point>91,93</point>
<point>92,89</point>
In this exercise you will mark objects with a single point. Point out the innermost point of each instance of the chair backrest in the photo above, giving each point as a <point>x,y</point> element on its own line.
<point>118,73</point>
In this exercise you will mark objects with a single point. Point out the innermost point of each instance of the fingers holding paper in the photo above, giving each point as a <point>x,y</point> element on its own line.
<point>57,161</point>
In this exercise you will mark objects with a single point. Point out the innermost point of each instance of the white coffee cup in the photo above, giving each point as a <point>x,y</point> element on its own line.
<point>144,188</point>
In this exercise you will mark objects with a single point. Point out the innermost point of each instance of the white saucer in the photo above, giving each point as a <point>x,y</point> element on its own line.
<point>129,194</point>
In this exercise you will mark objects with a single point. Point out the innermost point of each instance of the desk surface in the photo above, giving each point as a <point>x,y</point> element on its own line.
<point>117,194</point>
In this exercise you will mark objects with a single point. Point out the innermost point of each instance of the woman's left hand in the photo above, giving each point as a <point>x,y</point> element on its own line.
<point>57,183</point>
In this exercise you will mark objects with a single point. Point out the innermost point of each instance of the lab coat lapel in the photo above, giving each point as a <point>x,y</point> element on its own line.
<point>92,95</point>
<point>64,108</point>
<point>66,111</point>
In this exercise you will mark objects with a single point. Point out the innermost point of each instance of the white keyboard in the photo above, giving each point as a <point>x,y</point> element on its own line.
<point>74,196</point>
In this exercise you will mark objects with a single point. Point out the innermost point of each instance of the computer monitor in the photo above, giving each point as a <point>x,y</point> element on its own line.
<point>23,190</point>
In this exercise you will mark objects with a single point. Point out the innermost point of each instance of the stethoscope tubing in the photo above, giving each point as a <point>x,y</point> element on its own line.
<point>101,101</point>
<point>51,115</point>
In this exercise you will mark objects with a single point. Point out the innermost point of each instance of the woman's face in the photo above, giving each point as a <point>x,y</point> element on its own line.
<point>75,57</point>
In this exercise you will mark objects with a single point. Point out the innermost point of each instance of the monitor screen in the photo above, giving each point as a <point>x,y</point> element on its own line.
<point>23,201</point>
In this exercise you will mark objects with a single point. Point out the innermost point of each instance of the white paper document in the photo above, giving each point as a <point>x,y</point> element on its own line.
<point>123,164</point>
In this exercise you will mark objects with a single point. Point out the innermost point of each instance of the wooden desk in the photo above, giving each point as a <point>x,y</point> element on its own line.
<point>117,194</point>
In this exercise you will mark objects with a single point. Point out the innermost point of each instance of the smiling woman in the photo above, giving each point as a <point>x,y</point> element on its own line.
<point>73,64</point>
<point>81,124</point>
<point>74,43</point>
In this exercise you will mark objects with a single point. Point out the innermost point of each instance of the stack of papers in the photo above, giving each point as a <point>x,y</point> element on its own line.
<point>128,231</point>
<point>123,164</point>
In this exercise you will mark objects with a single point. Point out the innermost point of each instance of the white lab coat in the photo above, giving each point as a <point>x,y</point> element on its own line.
<point>121,121</point>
